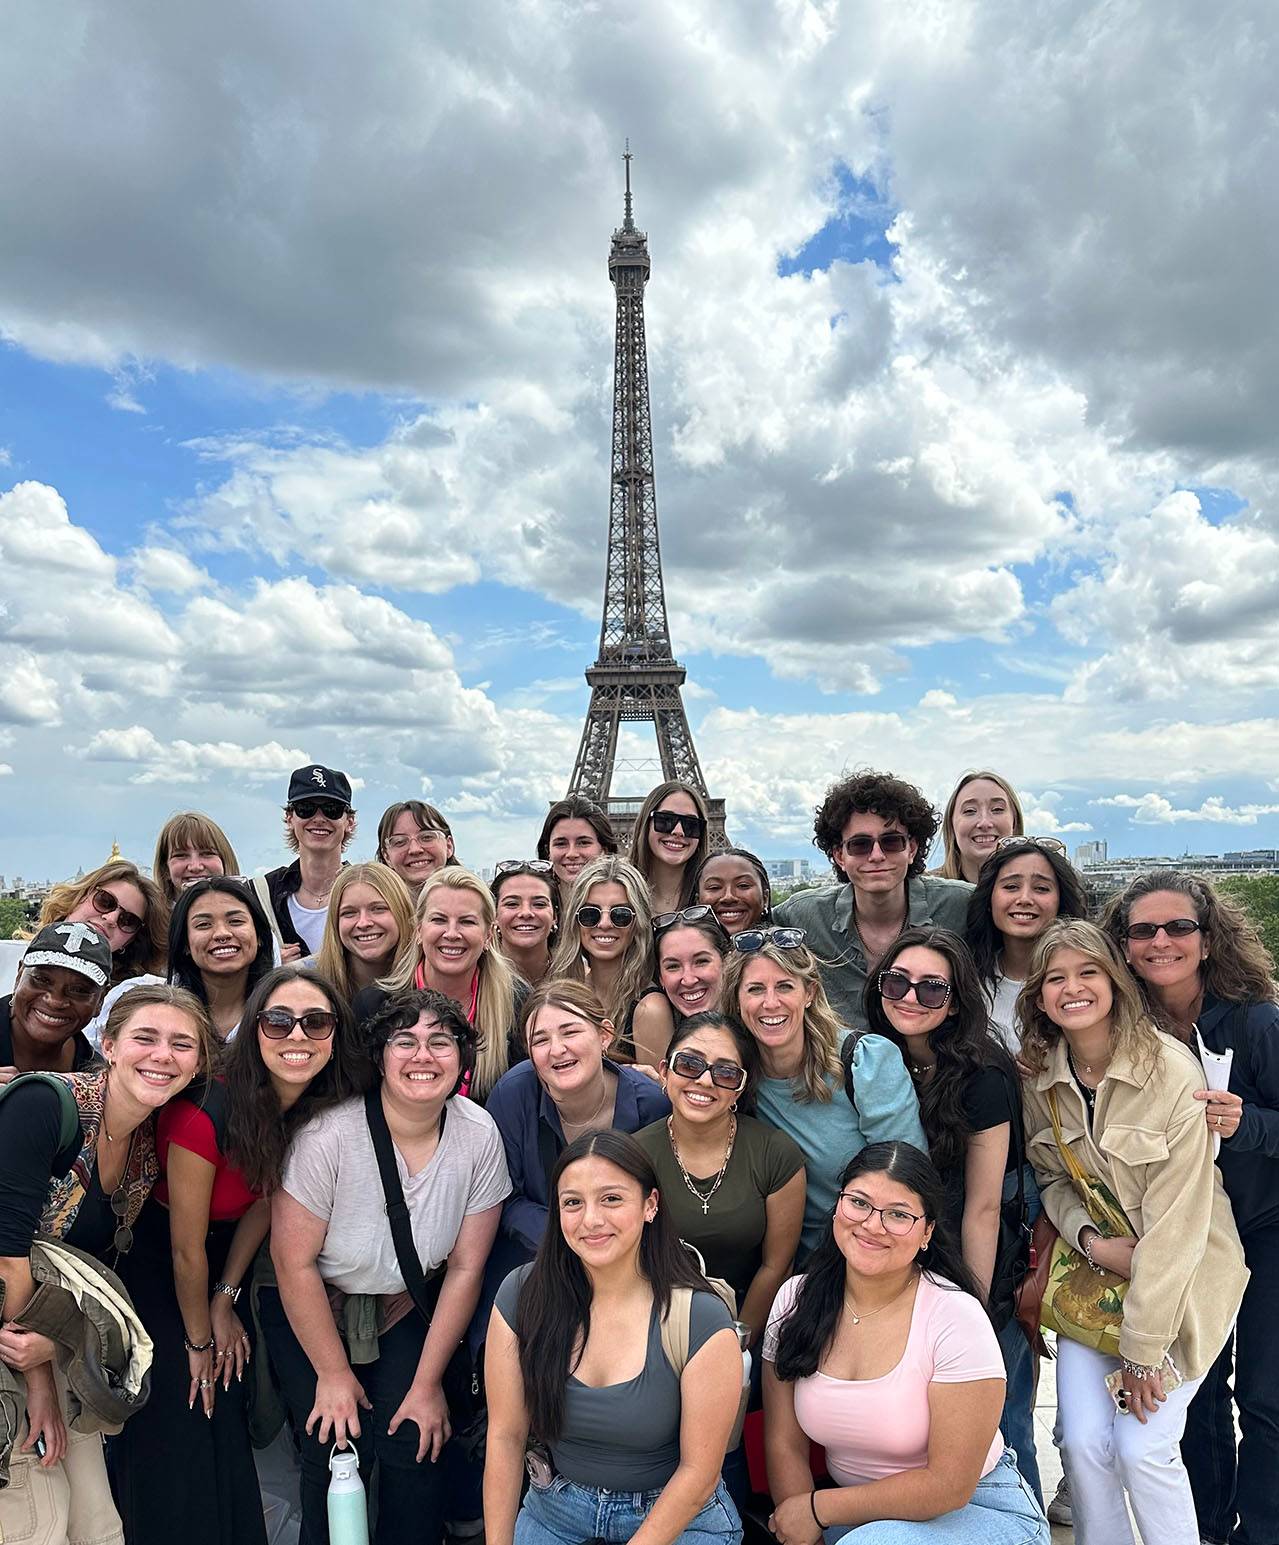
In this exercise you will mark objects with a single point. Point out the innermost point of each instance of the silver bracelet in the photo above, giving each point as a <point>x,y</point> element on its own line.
<point>225,1287</point>
<point>1138,1370</point>
<point>1087,1248</point>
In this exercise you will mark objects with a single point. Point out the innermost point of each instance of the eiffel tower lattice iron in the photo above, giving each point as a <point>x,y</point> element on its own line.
<point>635,678</point>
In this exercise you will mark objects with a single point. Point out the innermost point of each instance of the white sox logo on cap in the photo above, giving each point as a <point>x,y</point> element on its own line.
<point>317,776</point>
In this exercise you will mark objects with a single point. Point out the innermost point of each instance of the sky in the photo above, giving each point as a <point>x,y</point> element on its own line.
<point>964,376</point>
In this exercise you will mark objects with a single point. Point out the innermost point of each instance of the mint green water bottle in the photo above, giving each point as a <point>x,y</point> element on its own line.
<point>348,1506</point>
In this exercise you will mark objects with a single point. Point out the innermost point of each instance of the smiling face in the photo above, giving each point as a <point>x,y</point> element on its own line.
<point>155,1055</point>
<point>573,844</point>
<point>731,887</point>
<point>192,862</point>
<point>983,814</point>
<point>602,1212</point>
<point>906,1015</point>
<point>690,970</point>
<point>771,1004</point>
<point>51,1004</point>
<point>673,849</point>
<point>416,852</point>
<point>125,914</point>
<point>874,872</point>
<point>699,1100</point>
<point>1025,898</point>
<point>1076,993</point>
<point>420,1065</point>
<point>605,940</point>
<point>525,913</point>
<point>1165,962</point>
<point>366,925</point>
<point>452,932</point>
<point>221,935</point>
<point>319,835</point>
<point>868,1247</point>
<point>566,1050</point>
<point>296,1059</point>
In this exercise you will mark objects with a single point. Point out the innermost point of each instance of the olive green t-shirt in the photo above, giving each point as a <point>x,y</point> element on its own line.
<point>730,1233</point>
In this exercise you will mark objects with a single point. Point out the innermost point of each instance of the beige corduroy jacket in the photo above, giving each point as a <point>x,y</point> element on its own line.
<point>1150,1144</point>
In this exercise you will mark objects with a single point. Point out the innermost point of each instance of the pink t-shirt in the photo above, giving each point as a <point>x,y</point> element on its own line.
<point>872,1428</point>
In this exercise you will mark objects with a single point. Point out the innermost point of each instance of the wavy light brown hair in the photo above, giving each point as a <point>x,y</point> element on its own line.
<point>823,1033</point>
<point>1239,967</point>
<point>144,954</point>
<point>332,960</point>
<point>1131,1028</point>
<point>952,865</point>
<point>574,998</point>
<point>641,855</point>
<point>148,995</point>
<point>571,962</point>
<point>190,829</point>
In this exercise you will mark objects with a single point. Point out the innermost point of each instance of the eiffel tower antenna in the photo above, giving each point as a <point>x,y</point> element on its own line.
<point>635,678</point>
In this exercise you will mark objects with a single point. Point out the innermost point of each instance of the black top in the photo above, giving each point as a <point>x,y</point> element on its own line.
<point>1249,1161</point>
<point>82,1054</point>
<point>989,1098</point>
<point>280,885</point>
<point>30,1120</point>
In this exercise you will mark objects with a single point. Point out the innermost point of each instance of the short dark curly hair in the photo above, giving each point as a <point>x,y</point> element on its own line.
<point>867,792</point>
<point>402,1010</point>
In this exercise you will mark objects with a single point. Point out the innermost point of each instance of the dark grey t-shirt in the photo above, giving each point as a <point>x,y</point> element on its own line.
<point>624,1437</point>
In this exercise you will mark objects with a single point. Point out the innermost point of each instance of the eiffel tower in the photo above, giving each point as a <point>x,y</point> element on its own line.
<point>635,678</point>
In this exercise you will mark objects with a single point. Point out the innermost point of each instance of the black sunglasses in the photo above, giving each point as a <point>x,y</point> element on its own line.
<point>693,914</point>
<point>277,1024</point>
<point>123,1239</point>
<point>330,809</point>
<point>620,917</point>
<point>724,1074</point>
<point>751,939</point>
<point>665,822</point>
<point>930,991</point>
<point>862,845</point>
<point>1178,928</point>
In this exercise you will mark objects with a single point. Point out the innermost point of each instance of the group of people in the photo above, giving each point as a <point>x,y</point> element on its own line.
<point>612,1200</point>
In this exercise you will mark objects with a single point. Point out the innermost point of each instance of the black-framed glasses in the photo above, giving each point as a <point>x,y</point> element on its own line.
<point>277,1024</point>
<point>751,939</point>
<point>104,904</point>
<point>665,821</point>
<point>1049,844</point>
<point>330,809</point>
<point>1176,928</point>
<point>896,1220</point>
<point>930,991</point>
<point>620,916</point>
<point>123,1238</point>
<point>862,845</point>
<point>724,1074</point>
<point>694,914</point>
<point>523,866</point>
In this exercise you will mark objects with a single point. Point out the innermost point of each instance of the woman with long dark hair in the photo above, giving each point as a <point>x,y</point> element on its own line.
<point>926,999</point>
<point>526,894</point>
<point>575,833</point>
<point>1025,885</point>
<point>221,1154</point>
<point>1209,980</point>
<point>671,838</point>
<point>575,1357</point>
<point>689,948</point>
<point>908,1406</point>
<point>220,947</point>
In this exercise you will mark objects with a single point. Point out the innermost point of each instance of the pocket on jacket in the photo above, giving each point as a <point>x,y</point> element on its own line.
<point>1134,1145</point>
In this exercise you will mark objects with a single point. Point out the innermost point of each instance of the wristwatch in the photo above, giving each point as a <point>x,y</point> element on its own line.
<point>225,1287</point>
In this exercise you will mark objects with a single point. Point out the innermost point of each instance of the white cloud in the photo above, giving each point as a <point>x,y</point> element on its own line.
<point>5,770</point>
<point>1156,810</point>
<point>166,569</point>
<point>181,761</point>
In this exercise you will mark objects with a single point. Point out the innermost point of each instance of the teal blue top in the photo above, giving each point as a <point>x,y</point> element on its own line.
<point>830,1132</point>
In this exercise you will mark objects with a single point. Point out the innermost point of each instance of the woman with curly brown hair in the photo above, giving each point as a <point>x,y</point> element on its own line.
<point>1209,980</point>
<point>122,903</point>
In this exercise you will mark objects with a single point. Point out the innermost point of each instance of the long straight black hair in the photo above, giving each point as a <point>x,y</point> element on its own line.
<point>808,1329</point>
<point>555,1300</point>
<point>183,971</point>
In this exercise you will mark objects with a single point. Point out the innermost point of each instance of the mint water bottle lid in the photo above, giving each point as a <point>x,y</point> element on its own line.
<point>343,1462</point>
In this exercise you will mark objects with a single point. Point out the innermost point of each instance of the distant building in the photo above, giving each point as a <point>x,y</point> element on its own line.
<point>1091,852</point>
<point>788,870</point>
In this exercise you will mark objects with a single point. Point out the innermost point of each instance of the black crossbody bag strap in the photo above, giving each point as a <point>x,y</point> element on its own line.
<point>425,1295</point>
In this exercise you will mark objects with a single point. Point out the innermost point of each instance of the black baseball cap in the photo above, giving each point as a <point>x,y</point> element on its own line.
<point>73,946</point>
<point>317,782</point>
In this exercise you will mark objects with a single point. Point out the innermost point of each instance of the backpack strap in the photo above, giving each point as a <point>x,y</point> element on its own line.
<point>69,1129</point>
<point>263,892</point>
<point>676,1327</point>
<point>846,1057</point>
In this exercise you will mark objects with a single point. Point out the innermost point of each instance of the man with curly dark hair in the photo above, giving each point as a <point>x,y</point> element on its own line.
<point>875,829</point>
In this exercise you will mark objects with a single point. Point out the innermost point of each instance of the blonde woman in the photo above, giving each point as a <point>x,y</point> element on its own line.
<point>122,903</point>
<point>670,840</point>
<point>1122,1096</point>
<point>832,1091</point>
<point>190,847</point>
<point>453,953</point>
<point>370,923</point>
<point>983,808</point>
<point>607,940</point>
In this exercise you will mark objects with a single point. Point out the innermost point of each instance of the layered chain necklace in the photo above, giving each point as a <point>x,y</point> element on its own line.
<point>703,1196</point>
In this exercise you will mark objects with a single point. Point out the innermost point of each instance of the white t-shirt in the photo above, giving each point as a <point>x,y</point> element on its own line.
<point>1003,1011</point>
<point>309,922</point>
<point>332,1171</point>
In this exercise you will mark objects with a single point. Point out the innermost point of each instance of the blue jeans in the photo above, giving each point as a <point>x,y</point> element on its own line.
<point>1002,1512</point>
<point>566,1513</point>
<point>1018,1422</point>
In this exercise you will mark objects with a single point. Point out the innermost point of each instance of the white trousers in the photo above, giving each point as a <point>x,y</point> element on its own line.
<point>68,1504</point>
<point>1107,1455</point>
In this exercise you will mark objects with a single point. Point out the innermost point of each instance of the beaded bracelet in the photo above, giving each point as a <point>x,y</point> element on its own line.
<point>200,1346</point>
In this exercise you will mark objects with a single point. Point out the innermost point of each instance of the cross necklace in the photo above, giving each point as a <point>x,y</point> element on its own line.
<point>704,1198</point>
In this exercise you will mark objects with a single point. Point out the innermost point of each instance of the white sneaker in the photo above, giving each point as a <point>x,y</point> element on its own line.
<point>1059,1508</point>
